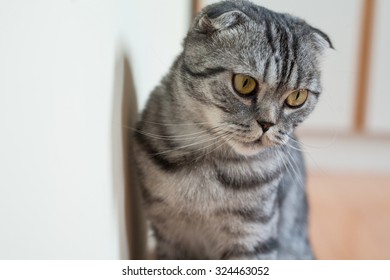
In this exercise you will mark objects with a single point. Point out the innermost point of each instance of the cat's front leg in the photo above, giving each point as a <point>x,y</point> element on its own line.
<point>264,250</point>
<point>168,249</point>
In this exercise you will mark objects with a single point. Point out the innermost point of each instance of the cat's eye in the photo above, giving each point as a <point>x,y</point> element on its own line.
<point>297,98</point>
<point>244,84</point>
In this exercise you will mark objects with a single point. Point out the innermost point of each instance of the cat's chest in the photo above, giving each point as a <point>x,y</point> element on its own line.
<point>212,187</point>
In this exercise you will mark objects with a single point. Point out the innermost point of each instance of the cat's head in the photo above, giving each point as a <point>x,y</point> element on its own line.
<point>255,73</point>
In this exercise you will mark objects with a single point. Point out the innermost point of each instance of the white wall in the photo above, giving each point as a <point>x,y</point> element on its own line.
<point>61,75</point>
<point>152,34</point>
<point>378,119</point>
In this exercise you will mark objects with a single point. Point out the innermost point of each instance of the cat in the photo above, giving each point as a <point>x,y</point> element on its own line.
<point>221,173</point>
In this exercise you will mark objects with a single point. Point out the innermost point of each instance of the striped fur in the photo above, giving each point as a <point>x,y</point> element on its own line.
<point>214,184</point>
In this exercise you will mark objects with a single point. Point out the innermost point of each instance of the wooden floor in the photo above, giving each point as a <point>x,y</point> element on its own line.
<point>350,215</point>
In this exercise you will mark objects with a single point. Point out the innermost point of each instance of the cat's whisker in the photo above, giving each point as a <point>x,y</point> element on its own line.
<point>280,154</point>
<point>313,146</point>
<point>308,154</point>
<point>292,147</point>
<point>180,148</point>
<point>221,127</point>
<point>224,139</point>
<point>189,145</point>
<point>295,168</point>
<point>188,136</point>
<point>176,124</point>
<point>276,155</point>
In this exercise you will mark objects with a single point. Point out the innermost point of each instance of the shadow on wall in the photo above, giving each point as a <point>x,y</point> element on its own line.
<point>127,197</point>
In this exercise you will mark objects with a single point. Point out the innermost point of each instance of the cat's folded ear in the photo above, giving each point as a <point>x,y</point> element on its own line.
<point>322,39</point>
<point>219,17</point>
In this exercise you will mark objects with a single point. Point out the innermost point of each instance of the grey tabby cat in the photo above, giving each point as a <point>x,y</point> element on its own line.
<point>221,174</point>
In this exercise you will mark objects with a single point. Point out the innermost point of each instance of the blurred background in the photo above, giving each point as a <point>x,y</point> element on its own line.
<point>74,74</point>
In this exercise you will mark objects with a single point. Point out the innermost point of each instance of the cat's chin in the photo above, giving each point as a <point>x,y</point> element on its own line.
<point>250,148</point>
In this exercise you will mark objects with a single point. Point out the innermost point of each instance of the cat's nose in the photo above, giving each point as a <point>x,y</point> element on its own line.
<point>265,125</point>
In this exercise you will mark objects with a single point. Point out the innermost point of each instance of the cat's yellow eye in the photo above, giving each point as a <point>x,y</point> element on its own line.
<point>297,98</point>
<point>244,84</point>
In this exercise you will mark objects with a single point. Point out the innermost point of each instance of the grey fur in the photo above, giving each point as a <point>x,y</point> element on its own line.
<point>215,186</point>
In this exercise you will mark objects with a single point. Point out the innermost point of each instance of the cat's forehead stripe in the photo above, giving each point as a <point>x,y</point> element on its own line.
<point>207,72</point>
